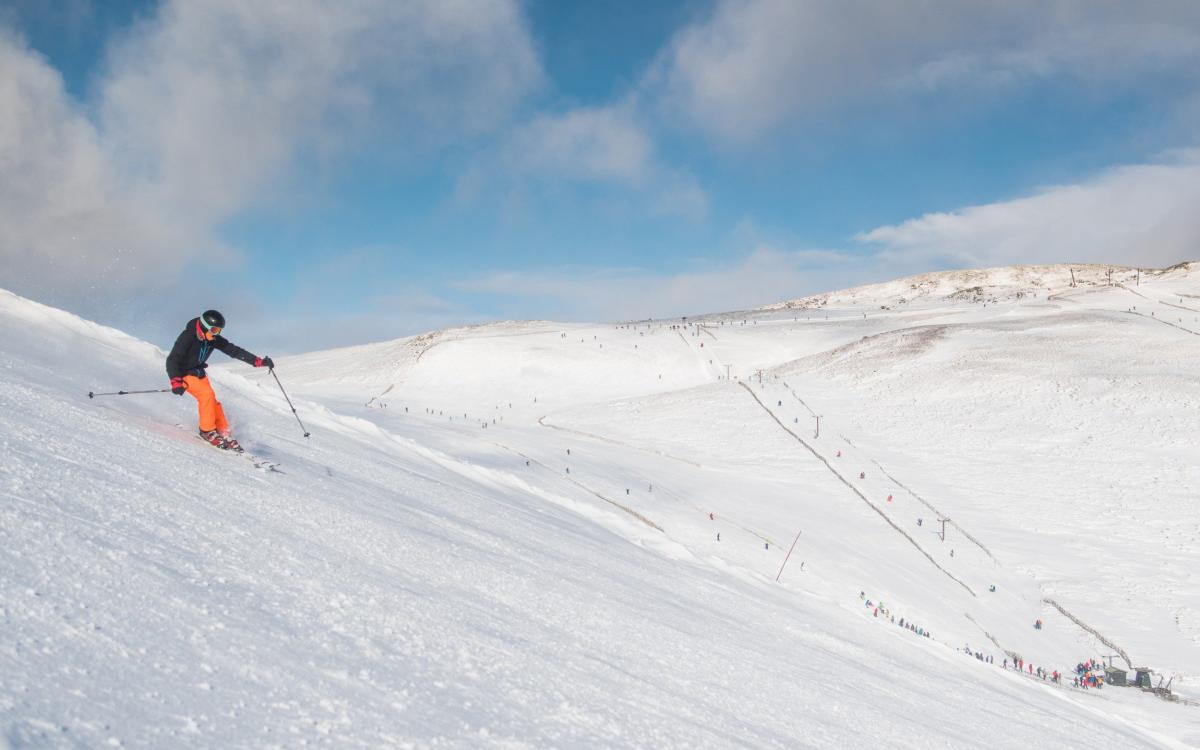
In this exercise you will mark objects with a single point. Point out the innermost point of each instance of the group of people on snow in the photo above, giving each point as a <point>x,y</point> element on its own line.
<point>914,628</point>
<point>1089,674</point>
<point>881,610</point>
<point>979,655</point>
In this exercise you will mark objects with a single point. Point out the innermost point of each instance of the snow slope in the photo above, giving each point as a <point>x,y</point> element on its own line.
<point>507,535</point>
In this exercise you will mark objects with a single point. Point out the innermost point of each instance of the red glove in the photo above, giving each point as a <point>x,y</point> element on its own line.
<point>178,386</point>
<point>264,362</point>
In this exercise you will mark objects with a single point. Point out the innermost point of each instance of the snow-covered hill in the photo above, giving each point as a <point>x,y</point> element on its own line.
<point>1007,283</point>
<point>530,534</point>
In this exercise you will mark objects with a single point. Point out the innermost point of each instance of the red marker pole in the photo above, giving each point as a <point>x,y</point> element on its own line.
<point>789,554</point>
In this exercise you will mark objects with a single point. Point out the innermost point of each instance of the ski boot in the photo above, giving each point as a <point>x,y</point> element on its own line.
<point>231,444</point>
<point>215,438</point>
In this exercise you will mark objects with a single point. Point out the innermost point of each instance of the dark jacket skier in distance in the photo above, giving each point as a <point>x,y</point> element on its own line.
<point>185,367</point>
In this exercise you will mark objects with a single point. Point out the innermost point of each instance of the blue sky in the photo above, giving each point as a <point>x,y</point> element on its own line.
<point>334,173</point>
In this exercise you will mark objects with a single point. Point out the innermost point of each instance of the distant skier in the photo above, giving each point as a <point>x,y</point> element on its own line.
<point>185,367</point>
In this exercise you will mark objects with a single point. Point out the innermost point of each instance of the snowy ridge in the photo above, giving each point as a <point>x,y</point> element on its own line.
<point>530,534</point>
<point>982,285</point>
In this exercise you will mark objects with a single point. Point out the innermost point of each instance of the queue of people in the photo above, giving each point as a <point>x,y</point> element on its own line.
<point>881,610</point>
<point>1088,674</point>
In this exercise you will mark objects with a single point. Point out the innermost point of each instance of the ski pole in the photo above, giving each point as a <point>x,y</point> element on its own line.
<point>127,393</point>
<point>289,401</point>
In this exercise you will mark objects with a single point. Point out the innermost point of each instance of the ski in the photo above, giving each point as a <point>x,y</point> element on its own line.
<point>264,464</point>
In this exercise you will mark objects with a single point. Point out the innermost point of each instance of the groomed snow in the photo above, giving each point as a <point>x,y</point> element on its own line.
<point>507,535</point>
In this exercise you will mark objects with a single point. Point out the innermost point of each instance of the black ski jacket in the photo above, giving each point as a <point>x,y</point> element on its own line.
<point>189,356</point>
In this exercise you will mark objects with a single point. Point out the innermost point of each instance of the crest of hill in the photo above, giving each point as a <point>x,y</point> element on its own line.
<point>1005,283</point>
<point>368,360</point>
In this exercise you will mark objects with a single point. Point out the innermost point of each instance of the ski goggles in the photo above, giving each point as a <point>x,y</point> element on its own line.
<point>214,330</point>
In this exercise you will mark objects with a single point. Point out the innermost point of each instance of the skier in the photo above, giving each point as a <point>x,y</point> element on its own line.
<point>185,367</point>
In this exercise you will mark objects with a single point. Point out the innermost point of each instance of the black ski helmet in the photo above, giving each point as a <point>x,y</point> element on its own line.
<point>212,319</point>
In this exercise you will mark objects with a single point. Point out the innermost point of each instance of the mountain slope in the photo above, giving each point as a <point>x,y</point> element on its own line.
<point>412,580</point>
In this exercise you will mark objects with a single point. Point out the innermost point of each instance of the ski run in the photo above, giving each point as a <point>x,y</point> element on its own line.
<point>534,534</point>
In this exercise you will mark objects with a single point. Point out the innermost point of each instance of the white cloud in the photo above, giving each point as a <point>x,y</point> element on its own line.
<point>405,310</point>
<point>589,143</point>
<point>212,102</point>
<point>758,278</point>
<point>206,110</point>
<point>65,228</point>
<point>604,145</point>
<point>754,65</point>
<point>1135,215</point>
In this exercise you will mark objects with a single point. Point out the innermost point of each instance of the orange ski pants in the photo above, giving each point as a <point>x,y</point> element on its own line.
<point>212,416</point>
